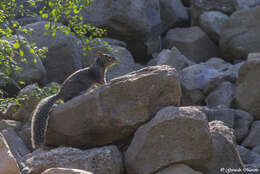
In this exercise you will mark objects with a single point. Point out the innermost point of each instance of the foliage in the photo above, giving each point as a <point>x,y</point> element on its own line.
<point>37,92</point>
<point>67,12</point>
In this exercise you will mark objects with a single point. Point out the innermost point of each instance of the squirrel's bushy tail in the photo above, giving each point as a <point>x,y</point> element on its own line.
<point>40,120</point>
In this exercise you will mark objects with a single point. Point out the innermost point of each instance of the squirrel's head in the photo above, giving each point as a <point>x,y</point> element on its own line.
<point>106,60</point>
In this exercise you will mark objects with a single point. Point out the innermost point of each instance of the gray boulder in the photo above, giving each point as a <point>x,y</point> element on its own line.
<point>9,85</point>
<point>224,94</point>
<point>237,119</point>
<point>248,88</point>
<point>253,138</point>
<point>256,149</point>
<point>101,160</point>
<point>211,22</point>
<point>64,54</point>
<point>173,57</point>
<point>195,79</point>
<point>137,26</point>
<point>174,135</point>
<point>251,160</point>
<point>225,154</point>
<point>114,111</point>
<point>4,124</point>
<point>192,42</point>
<point>240,34</point>
<point>172,13</point>
<point>198,7</point>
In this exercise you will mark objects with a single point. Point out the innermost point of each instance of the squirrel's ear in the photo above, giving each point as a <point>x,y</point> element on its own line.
<point>99,53</point>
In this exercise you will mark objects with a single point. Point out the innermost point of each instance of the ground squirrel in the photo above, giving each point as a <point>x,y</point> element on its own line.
<point>77,82</point>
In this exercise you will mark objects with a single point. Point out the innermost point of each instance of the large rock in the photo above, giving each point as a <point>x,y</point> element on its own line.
<point>172,13</point>
<point>225,154</point>
<point>137,26</point>
<point>224,94</point>
<point>193,43</point>
<point>114,111</point>
<point>211,22</point>
<point>178,169</point>
<point>253,138</point>
<point>240,34</point>
<point>64,171</point>
<point>102,160</point>
<point>64,54</point>
<point>174,135</point>
<point>248,87</point>
<point>173,57</point>
<point>8,163</point>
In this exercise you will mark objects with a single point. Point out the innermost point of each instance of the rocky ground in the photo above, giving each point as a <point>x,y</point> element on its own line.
<point>185,98</point>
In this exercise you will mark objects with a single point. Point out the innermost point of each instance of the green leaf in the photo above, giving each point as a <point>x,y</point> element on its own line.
<point>16,45</point>
<point>45,15</point>
<point>21,53</point>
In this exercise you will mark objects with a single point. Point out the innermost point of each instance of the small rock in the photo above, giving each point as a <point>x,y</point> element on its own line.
<point>253,138</point>
<point>174,135</point>
<point>101,160</point>
<point>65,171</point>
<point>217,63</point>
<point>193,43</point>
<point>178,169</point>
<point>211,22</point>
<point>4,124</point>
<point>199,7</point>
<point>173,58</point>
<point>8,163</point>
<point>224,94</point>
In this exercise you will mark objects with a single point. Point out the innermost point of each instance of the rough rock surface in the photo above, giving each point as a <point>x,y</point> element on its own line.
<point>240,35</point>
<point>139,25</point>
<point>174,135</point>
<point>198,7</point>
<point>8,163</point>
<point>65,171</point>
<point>224,94</point>
<point>256,149</point>
<point>194,79</point>
<point>172,13</point>
<point>173,57</point>
<point>251,159</point>
<point>102,160</point>
<point>211,22</point>
<point>178,169</point>
<point>63,57</point>
<point>225,154</point>
<point>253,138</point>
<point>4,124</point>
<point>237,119</point>
<point>114,111</point>
<point>193,43</point>
<point>248,88</point>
